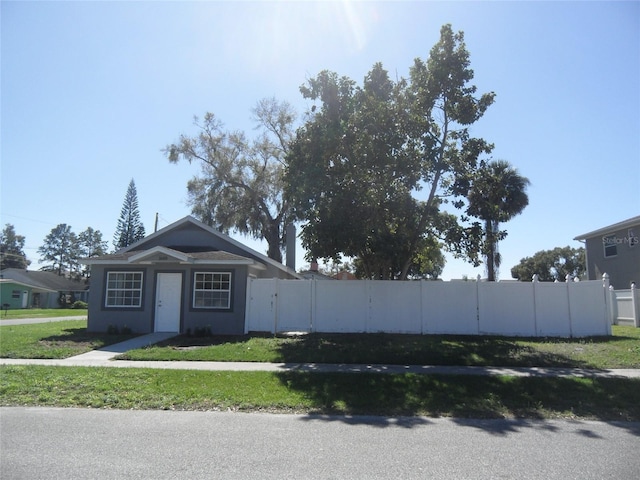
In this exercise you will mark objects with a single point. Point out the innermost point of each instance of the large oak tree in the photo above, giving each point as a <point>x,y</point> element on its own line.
<point>240,186</point>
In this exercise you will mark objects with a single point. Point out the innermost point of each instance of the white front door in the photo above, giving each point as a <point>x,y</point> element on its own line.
<point>168,300</point>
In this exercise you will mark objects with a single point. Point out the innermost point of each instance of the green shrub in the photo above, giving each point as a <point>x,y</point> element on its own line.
<point>79,305</point>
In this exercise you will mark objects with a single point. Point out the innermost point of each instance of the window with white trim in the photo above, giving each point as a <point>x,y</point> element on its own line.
<point>610,244</point>
<point>212,290</point>
<point>124,289</point>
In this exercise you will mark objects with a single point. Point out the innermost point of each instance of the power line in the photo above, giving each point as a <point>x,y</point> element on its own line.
<point>26,218</point>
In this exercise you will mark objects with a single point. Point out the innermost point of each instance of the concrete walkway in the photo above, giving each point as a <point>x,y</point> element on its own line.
<point>107,353</point>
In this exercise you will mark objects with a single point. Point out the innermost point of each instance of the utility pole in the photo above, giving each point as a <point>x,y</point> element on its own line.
<point>155,226</point>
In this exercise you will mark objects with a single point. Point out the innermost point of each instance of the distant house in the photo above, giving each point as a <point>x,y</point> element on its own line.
<point>35,289</point>
<point>615,250</point>
<point>184,278</point>
<point>314,273</point>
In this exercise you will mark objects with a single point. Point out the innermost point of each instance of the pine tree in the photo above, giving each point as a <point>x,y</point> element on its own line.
<point>60,251</point>
<point>130,228</point>
<point>12,249</point>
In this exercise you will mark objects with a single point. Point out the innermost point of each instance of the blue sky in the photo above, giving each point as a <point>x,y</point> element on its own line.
<point>92,91</point>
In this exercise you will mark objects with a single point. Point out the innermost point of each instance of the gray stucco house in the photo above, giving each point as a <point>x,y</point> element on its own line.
<point>182,278</point>
<point>615,250</point>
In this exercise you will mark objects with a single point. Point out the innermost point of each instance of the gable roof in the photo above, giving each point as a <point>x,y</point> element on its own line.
<point>136,250</point>
<point>631,222</point>
<point>43,280</point>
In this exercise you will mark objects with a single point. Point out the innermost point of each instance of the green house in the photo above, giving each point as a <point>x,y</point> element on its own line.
<point>36,289</point>
<point>15,295</point>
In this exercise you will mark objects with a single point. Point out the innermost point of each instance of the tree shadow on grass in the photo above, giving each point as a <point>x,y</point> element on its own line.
<point>402,349</point>
<point>423,350</point>
<point>82,336</point>
<point>520,401</point>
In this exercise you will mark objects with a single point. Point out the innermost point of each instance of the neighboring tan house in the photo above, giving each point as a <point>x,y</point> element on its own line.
<point>37,289</point>
<point>614,250</point>
<point>186,277</point>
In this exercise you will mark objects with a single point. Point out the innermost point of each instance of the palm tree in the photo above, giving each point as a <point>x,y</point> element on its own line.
<point>497,194</point>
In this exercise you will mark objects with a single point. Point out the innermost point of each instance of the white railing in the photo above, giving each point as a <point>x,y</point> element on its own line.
<point>569,309</point>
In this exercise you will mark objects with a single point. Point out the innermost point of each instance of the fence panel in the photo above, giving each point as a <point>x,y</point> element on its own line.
<point>341,306</point>
<point>588,309</point>
<point>294,306</point>
<point>506,308</point>
<point>625,303</point>
<point>450,307</point>
<point>395,307</point>
<point>552,310</point>
<point>261,305</point>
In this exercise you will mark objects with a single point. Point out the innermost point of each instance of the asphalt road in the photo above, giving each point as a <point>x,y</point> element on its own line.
<point>53,443</point>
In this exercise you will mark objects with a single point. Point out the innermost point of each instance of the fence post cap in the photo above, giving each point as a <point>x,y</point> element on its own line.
<point>535,278</point>
<point>567,278</point>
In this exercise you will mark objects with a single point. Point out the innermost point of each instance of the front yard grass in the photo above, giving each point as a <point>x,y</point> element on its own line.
<point>622,350</point>
<point>322,393</point>
<point>61,339</point>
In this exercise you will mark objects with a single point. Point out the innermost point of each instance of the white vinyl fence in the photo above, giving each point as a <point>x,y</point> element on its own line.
<point>570,309</point>
<point>625,306</point>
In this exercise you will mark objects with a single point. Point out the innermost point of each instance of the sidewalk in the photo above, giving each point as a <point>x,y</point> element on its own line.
<point>331,368</point>
<point>28,321</point>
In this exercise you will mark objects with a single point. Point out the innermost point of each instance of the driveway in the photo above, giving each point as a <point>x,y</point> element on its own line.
<point>52,443</point>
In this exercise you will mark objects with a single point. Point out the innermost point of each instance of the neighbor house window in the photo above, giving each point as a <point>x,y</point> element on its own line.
<point>610,246</point>
<point>15,294</point>
<point>124,289</point>
<point>212,290</point>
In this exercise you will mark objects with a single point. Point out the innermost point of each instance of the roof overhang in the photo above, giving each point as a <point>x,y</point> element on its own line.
<point>631,222</point>
<point>163,255</point>
<point>34,288</point>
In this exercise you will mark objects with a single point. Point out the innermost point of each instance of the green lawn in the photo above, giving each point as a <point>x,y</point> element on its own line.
<point>62,339</point>
<point>328,393</point>
<point>41,313</point>
<point>67,338</point>
<point>322,393</point>
<point>622,350</point>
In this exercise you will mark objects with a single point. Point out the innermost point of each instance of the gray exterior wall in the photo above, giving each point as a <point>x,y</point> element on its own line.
<point>624,267</point>
<point>142,319</point>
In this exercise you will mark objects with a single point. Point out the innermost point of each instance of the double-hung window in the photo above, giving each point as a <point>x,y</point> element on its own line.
<point>124,289</point>
<point>212,290</point>
<point>610,244</point>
